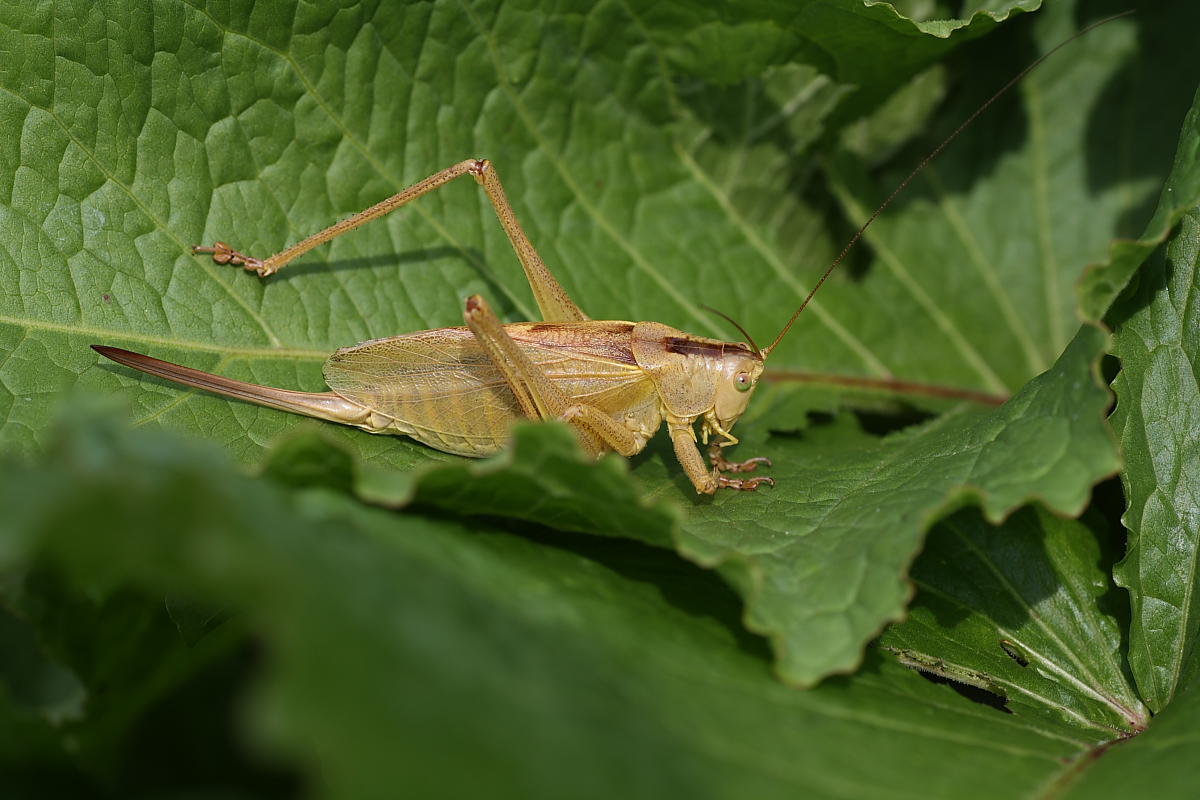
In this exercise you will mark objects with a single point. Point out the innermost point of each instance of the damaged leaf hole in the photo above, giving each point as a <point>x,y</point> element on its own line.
<point>976,694</point>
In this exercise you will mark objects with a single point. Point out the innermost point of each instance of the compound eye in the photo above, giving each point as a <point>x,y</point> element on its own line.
<point>742,381</point>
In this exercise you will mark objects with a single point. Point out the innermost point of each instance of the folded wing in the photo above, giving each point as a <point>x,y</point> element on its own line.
<point>440,388</point>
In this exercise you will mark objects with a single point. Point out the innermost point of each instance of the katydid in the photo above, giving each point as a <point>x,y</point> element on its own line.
<point>460,389</point>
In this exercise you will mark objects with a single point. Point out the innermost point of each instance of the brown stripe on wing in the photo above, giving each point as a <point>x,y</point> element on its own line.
<point>688,346</point>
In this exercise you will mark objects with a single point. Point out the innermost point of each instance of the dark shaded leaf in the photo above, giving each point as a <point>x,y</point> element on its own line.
<point>407,651</point>
<point>1018,608</point>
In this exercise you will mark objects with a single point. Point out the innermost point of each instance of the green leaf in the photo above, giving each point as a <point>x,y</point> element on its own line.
<point>407,651</point>
<point>823,564</point>
<point>728,44</point>
<point>982,254</point>
<point>660,159</point>
<point>1017,609</point>
<point>858,522</point>
<point>1158,420</point>
<point>627,178</point>
<point>542,477</point>
<point>647,190</point>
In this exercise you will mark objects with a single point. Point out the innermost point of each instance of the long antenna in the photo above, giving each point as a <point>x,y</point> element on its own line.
<point>735,324</point>
<point>925,162</point>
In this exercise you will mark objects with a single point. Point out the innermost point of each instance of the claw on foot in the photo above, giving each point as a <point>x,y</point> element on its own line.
<point>749,465</point>
<point>744,484</point>
<point>717,458</point>
<point>224,254</point>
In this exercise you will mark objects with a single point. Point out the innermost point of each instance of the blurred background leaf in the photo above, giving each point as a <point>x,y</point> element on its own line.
<point>391,653</point>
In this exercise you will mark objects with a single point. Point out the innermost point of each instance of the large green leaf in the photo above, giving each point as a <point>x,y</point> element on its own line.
<point>1158,418</point>
<point>647,188</point>
<point>257,126</point>
<point>542,477</point>
<point>407,653</point>
<point>823,566</point>
<point>660,158</point>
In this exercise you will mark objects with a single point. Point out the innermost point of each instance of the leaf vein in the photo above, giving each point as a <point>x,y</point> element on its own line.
<point>153,218</point>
